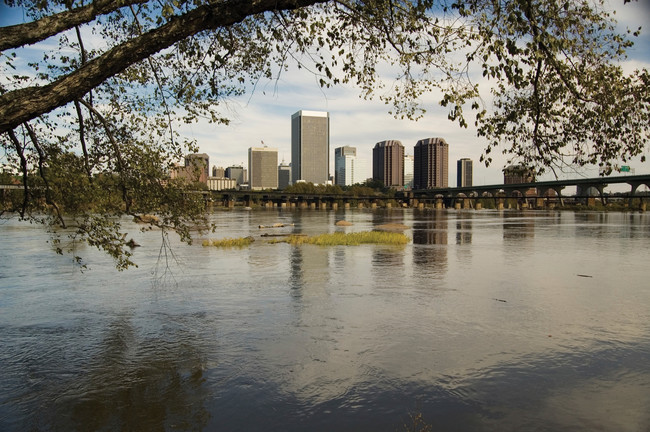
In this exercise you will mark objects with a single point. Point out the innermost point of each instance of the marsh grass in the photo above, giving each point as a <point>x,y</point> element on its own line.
<point>348,239</point>
<point>230,242</point>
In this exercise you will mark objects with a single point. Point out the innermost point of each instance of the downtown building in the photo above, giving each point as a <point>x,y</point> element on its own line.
<point>262,168</point>
<point>284,175</point>
<point>464,172</point>
<point>345,160</point>
<point>431,164</point>
<point>310,147</point>
<point>388,163</point>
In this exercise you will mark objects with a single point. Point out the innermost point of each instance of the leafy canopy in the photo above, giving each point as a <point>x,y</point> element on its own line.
<point>92,133</point>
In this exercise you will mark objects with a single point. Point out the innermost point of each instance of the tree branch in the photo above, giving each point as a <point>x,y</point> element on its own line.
<point>21,105</point>
<point>18,35</point>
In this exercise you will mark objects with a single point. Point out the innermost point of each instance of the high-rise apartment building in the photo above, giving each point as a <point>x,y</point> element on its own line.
<point>262,168</point>
<point>310,146</point>
<point>345,159</point>
<point>284,175</point>
<point>408,171</point>
<point>464,172</point>
<point>431,164</point>
<point>388,163</point>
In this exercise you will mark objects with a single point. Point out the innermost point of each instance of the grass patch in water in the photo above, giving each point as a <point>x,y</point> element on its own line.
<point>230,242</point>
<point>348,239</point>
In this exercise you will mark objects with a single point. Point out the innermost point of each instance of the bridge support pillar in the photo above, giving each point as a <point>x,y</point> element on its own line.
<point>335,206</point>
<point>360,205</point>
<point>312,205</point>
<point>389,205</point>
<point>420,206</point>
<point>231,203</point>
<point>323,206</point>
<point>439,204</point>
<point>457,205</point>
<point>478,206</point>
<point>414,203</point>
<point>346,205</point>
<point>500,204</point>
<point>540,203</point>
<point>373,205</point>
<point>644,205</point>
<point>283,205</point>
<point>467,203</point>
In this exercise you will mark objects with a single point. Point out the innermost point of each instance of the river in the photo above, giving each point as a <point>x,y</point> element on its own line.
<point>485,321</point>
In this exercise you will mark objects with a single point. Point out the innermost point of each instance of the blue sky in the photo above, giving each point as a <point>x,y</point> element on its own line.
<point>265,115</point>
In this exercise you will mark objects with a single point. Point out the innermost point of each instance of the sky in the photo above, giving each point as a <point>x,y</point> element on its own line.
<point>265,116</point>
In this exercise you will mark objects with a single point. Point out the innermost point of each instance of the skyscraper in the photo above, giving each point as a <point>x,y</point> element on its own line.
<point>262,168</point>
<point>408,171</point>
<point>284,175</point>
<point>464,172</point>
<point>344,166</point>
<point>310,146</point>
<point>388,163</point>
<point>431,164</point>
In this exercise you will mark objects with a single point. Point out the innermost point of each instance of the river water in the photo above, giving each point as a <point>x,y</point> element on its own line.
<point>485,321</point>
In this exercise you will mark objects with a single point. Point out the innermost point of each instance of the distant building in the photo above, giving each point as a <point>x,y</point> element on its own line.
<point>388,163</point>
<point>218,172</point>
<point>431,164</point>
<point>195,169</point>
<point>262,168</point>
<point>517,174</point>
<point>237,173</point>
<point>221,183</point>
<point>310,146</point>
<point>464,172</point>
<point>284,175</point>
<point>344,166</point>
<point>408,171</point>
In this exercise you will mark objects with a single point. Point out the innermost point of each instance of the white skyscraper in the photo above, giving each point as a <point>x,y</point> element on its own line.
<point>345,159</point>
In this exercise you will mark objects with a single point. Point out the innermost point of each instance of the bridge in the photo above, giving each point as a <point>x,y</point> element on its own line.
<point>541,192</point>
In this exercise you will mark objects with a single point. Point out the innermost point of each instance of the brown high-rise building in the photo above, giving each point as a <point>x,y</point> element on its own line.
<point>388,163</point>
<point>431,164</point>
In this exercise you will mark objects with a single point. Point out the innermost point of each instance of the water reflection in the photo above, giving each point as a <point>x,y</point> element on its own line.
<point>340,338</point>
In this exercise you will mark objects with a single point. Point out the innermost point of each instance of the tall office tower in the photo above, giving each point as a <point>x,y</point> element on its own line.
<point>284,175</point>
<point>464,172</point>
<point>344,166</point>
<point>236,172</point>
<point>199,163</point>
<point>310,146</point>
<point>262,168</point>
<point>431,164</point>
<point>388,163</point>
<point>408,171</point>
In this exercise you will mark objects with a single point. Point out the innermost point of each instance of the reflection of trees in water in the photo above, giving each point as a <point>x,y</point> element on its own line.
<point>138,384</point>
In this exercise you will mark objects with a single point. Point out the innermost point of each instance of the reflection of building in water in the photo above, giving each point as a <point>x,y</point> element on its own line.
<point>430,245</point>
<point>464,232</point>
<point>517,227</point>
